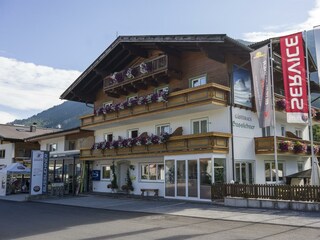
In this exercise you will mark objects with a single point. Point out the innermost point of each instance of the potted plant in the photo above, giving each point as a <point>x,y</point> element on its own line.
<point>128,186</point>
<point>114,184</point>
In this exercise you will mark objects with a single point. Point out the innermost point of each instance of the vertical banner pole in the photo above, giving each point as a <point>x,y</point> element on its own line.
<point>309,99</point>
<point>275,146</point>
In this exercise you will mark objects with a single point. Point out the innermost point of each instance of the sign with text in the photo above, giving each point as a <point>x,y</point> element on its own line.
<point>39,172</point>
<point>294,78</point>
<point>96,175</point>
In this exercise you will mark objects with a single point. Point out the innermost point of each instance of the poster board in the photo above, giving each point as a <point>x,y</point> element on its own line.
<point>39,172</point>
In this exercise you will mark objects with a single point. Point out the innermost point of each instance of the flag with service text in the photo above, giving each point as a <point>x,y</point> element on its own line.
<point>294,78</point>
<point>262,85</point>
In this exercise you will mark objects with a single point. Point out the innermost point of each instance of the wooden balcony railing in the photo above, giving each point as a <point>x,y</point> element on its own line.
<point>265,145</point>
<point>184,144</point>
<point>206,94</point>
<point>155,70</point>
<point>267,191</point>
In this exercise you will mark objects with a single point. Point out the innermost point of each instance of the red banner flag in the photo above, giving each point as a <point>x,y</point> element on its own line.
<point>294,78</point>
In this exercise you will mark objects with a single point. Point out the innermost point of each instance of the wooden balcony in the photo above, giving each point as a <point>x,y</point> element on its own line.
<point>212,142</point>
<point>265,145</point>
<point>158,70</point>
<point>206,94</point>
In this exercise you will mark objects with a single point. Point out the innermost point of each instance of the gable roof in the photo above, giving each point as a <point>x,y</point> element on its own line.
<point>127,48</point>
<point>19,133</point>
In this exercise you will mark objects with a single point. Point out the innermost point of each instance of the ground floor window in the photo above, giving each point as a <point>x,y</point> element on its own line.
<point>219,170</point>
<point>270,171</point>
<point>244,172</point>
<point>105,172</point>
<point>66,172</point>
<point>152,171</point>
<point>192,178</point>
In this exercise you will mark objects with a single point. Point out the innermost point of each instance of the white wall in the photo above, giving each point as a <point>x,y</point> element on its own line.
<point>218,122</point>
<point>59,140</point>
<point>101,186</point>
<point>9,153</point>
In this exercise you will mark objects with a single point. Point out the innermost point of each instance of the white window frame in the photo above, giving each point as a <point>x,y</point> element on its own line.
<point>161,89</point>
<point>246,162</point>
<point>162,126</point>
<point>2,153</point>
<point>157,168</point>
<point>129,132</point>
<point>266,131</point>
<point>109,103</point>
<point>298,132</point>
<point>132,97</point>
<point>106,136</point>
<point>202,81</point>
<point>283,130</point>
<point>49,147</point>
<point>302,165</point>
<point>105,166</point>
<point>200,120</point>
<point>273,174</point>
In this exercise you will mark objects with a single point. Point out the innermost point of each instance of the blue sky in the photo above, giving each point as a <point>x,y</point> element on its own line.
<point>45,45</point>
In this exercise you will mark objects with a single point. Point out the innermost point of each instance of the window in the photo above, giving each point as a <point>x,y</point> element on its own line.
<point>298,133</point>
<point>283,130</point>
<point>152,172</point>
<point>133,133</point>
<point>52,147</point>
<point>300,166</point>
<point>270,171</point>
<point>108,137</point>
<point>219,170</point>
<point>2,153</point>
<point>266,132</point>
<point>244,172</point>
<point>200,126</point>
<point>162,89</point>
<point>160,129</point>
<point>198,81</point>
<point>132,97</point>
<point>72,145</point>
<point>105,172</point>
<point>107,103</point>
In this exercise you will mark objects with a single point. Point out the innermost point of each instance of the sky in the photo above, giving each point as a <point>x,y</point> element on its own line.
<point>45,44</point>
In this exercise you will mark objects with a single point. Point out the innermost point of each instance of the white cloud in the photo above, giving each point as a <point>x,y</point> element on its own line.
<point>30,87</point>
<point>271,31</point>
<point>6,117</point>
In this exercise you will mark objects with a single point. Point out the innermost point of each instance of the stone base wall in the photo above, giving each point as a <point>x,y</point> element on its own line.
<point>271,204</point>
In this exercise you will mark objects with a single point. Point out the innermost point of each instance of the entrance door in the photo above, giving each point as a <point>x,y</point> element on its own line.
<point>182,181</point>
<point>123,168</point>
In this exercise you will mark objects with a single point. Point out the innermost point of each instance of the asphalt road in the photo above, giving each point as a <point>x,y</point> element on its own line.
<point>31,220</point>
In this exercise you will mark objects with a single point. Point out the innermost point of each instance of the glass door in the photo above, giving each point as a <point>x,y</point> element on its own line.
<point>192,178</point>
<point>181,178</point>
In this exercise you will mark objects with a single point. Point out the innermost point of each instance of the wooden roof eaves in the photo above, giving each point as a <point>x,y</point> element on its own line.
<point>209,38</point>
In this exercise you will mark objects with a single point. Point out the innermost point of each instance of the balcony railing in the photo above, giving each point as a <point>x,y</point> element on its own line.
<point>285,145</point>
<point>184,144</point>
<point>206,94</point>
<point>132,79</point>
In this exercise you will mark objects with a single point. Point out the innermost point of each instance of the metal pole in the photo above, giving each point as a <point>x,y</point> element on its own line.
<point>309,100</point>
<point>275,146</point>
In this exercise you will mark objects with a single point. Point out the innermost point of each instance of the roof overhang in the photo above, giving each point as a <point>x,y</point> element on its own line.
<point>125,49</point>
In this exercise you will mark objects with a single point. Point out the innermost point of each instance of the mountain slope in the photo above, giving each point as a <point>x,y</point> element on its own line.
<point>65,115</point>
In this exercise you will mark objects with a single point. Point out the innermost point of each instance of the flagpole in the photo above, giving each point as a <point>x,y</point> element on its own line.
<point>275,146</point>
<point>309,101</point>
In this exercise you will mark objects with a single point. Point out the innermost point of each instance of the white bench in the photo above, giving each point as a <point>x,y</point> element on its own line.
<point>156,191</point>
